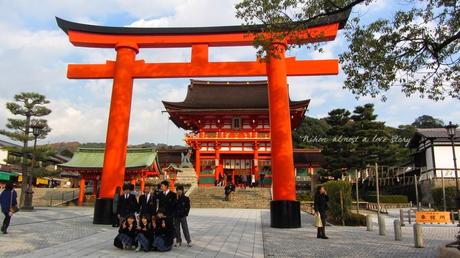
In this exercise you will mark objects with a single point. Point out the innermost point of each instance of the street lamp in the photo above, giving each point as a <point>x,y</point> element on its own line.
<point>36,131</point>
<point>451,131</point>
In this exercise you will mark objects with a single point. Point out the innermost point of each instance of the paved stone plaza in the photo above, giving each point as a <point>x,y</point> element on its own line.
<point>68,232</point>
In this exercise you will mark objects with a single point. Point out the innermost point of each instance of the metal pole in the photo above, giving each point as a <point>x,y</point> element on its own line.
<point>341,207</point>
<point>416,191</point>
<point>401,216</point>
<point>443,191</point>
<point>357,193</point>
<point>377,188</point>
<point>456,173</point>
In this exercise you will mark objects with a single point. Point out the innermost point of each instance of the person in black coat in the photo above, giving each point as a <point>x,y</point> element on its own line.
<point>8,200</point>
<point>144,235</point>
<point>164,232</point>
<point>116,197</point>
<point>180,216</point>
<point>148,202</point>
<point>126,233</point>
<point>321,208</point>
<point>127,204</point>
<point>167,200</point>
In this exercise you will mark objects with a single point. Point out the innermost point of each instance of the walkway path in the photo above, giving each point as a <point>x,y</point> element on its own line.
<point>68,232</point>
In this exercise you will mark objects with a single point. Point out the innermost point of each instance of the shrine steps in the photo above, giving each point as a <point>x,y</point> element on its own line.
<point>213,197</point>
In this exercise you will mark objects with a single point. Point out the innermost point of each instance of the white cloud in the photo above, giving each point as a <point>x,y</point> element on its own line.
<point>35,53</point>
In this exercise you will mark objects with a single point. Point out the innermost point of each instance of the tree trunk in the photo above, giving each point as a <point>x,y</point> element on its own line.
<point>25,174</point>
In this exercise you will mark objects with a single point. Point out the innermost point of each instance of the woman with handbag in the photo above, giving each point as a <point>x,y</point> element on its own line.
<point>321,207</point>
<point>8,201</point>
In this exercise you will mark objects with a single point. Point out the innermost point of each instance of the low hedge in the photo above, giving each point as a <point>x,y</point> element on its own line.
<point>450,198</point>
<point>389,198</point>
<point>304,197</point>
<point>352,219</point>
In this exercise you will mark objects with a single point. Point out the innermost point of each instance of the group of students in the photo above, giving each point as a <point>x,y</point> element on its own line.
<point>153,221</point>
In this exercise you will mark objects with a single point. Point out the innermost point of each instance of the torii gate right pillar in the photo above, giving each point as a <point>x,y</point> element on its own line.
<point>284,208</point>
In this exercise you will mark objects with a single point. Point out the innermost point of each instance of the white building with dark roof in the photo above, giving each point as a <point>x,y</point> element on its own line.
<point>433,153</point>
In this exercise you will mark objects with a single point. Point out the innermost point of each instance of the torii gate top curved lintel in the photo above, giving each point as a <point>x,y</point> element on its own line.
<point>285,210</point>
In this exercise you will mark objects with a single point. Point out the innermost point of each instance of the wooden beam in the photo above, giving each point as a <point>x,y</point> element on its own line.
<point>201,68</point>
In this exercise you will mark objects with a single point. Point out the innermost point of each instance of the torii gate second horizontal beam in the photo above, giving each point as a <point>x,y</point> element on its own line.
<point>203,69</point>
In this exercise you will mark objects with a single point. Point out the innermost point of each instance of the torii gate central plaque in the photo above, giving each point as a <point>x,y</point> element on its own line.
<point>285,210</point>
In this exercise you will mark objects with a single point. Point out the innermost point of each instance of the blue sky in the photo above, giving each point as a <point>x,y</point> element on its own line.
<point>34,54</point>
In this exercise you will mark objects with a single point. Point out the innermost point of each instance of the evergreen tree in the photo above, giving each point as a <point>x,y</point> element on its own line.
<point>338,148</point>
<point>427,121</point>
<point>309,133</point>
<point>415,48</point>
<point>30,107</point>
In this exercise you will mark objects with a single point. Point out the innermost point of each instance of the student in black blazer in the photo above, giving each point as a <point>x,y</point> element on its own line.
<point>148,202</point>
<point>127,204</point>
<point>167,200</point>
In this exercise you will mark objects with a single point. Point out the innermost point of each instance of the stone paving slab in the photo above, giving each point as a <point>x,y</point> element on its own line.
<point>350,241</point>
<point>215,233</point>
<point>69,232</point>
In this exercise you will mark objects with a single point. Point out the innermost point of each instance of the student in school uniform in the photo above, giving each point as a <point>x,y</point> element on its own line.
<point>144,234</point>
<point>164,232</point>
<point>127,204</point>
<point>148,202</point>
<point>126,234</point>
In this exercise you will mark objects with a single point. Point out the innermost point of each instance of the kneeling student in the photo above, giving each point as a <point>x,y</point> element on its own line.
<point>126,234</point>
<point>144,234</point>
<point>164,233</point>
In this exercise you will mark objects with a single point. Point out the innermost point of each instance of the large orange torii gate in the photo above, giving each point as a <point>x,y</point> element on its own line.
<point>285,210</point>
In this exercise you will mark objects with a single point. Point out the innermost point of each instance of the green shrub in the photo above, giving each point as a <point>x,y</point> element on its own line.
<point>305,197</point>
<point>333,189</point>
<point>388,198</point>
<point>356,220</point>
<point>450,198</point>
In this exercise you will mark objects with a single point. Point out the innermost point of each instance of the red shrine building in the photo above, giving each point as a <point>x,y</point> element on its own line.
<point>229,129</point>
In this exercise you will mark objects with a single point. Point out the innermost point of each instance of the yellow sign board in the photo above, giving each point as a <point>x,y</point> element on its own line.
<point>432,217</point>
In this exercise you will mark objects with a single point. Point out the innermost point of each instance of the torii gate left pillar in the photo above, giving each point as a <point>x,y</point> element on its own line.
<point>285,210</point>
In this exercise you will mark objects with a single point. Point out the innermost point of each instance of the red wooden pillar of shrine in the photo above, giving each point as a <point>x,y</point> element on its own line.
<point>198,161</point>
<point>256,162</point>
<point>95,187</point>
<point>133,182</point>
<point>113,172</point>
<point>142,183</point>
<point>81,194</point>
<point>217,162</point>
<point>284,208</point>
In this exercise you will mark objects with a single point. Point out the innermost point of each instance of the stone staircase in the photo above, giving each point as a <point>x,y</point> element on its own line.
<point>51,196</point>
<point>213,197</point>
<point>186,177</point>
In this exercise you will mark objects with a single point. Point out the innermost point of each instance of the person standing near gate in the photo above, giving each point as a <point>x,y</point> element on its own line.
<point>321,208</point>
<point>127,204</point>
<point>116,198</point>
<point>8,201</point>
<point>167,199</point>
<point>180,216</point>
<point>147,203</point>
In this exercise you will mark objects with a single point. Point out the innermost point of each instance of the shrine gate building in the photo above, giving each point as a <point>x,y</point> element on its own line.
<point>230,132</point>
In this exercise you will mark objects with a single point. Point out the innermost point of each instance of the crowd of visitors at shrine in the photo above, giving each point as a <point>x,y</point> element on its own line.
<point>151,222</point>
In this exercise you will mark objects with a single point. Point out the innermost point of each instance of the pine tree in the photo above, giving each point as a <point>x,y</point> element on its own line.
<point>29,106</point>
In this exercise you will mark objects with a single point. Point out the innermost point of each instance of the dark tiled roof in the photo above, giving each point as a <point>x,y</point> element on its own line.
<point>7,144</point>
<point>431,133</point>
<point>435,134</point>
<point>224,95</point>
<point>307,155</point>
